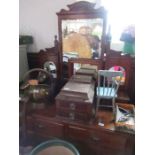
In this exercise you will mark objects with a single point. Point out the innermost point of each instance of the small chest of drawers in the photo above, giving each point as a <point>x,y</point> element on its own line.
<point>74,110</point>
<point>75,100</point>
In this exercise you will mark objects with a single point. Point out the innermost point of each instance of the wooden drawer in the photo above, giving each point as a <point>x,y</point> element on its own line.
<point>102,150</point>
<point>108,143</point>
<point>107,139</point>
<point>77,133</point>
<point>29,124</point>
<point>73,115</point>
<point>98,136</point>
<point>100,142</point>
<point>48,129</point>
<point>75,106</point>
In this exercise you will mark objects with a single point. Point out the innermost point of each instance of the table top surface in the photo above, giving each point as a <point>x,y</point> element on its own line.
<point>103,121</point>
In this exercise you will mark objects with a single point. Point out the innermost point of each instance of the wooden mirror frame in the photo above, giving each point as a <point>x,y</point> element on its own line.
<point>82,10</point>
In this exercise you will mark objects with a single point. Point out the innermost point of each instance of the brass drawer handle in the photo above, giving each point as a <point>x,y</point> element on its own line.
<point>40,126</point>
<point>94,138</point>
<point>72,106</point>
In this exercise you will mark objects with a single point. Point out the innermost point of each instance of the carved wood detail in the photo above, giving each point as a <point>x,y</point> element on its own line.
<point>82,7</point>
<point>37,60</point>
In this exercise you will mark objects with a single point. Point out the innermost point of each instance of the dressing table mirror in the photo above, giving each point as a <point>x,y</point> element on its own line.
<point>82,34</point>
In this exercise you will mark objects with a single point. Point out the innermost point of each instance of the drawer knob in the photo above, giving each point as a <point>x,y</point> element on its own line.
<point>40,126</point>
<point>72,106</point>
<point>94,138</point>
<point>71,116</point>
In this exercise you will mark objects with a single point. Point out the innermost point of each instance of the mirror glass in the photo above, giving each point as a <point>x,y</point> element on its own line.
<point>81,38</point>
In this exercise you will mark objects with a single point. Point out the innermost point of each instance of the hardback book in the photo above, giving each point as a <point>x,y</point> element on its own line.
<point>86,71</point>
<point>125,121</point>
<point>81,78</point>
<point>126,126</point>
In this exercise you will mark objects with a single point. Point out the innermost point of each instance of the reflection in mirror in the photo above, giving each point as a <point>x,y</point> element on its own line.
<point>82,38</point>
<point>119,68</point>
<point>76,67</point>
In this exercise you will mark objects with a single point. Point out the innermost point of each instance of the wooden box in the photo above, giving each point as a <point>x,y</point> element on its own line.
<point>74,108</point>
<point>75,101</point>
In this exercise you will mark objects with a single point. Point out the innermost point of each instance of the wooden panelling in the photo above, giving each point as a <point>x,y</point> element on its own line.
<point>37,60</point>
